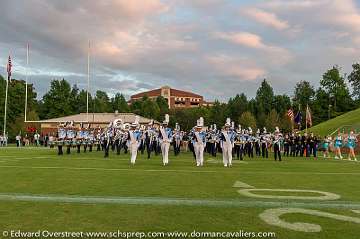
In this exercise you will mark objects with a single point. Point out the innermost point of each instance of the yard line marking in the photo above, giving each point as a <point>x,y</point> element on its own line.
<point>173,170</point>
<point>220,161</point>
<point>239,184</point>
<point>110,169</point>
<point>248,192</point>
<point>231,203</point>
<point>272,217</point>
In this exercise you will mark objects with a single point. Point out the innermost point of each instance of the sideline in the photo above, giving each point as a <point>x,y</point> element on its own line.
<point>176,201</point>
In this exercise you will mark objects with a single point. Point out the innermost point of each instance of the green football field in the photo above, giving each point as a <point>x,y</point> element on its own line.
<point>295,198</point>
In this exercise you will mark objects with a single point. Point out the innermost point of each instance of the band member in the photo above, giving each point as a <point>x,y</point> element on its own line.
<point>213,140</point>
<point>61,137</point>
<point>227,140</point>
<point>118,127</point>
<point>134,136</point>
<point>286,145</point>
<point>79,138</point>
<point>177,139</point>
<point>85,135</point>
<point>313,145</point>
<point>98,141</point>
<point>249,143</point>
<point>107,138</point>
<point>165,137</point>
<point>298,144</point>
<point>337,145</point>
<point>142,139</point>
<point>351,143</point>
<point>292,145</point>
<point>70,136</point>
<point>199,142</point>
<point>276,142</point>
<point>149,138</point>
<point>239,143</point>
<point>326,145</point>
<point>91,139</point>
<point>264,139</point>
<point>257,143</point>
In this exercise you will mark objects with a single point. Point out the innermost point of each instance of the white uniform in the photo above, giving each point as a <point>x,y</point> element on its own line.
<point>199,146</point>
<point>227,146</point>
<point>134,141</point>
<point>165,139</point>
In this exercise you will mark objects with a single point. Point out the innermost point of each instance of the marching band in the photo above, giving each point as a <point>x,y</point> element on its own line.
<point>233,142</point>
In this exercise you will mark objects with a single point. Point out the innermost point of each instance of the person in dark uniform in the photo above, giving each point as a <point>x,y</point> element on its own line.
<point>298,144</point>
<point>286,145</point>
<point>276,142</point>
<point>108,134</point>
<point>303,145</point>
<point>149,138</point>
<point>264,139</point>
<point>292,145</point>
<point>60,138</point>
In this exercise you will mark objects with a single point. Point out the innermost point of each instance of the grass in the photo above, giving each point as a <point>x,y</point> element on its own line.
<point>351,119</point>
<point>180,197</point>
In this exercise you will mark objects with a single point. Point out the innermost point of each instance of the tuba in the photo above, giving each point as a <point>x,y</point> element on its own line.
<point>118,124</point>
<point>126,126</point>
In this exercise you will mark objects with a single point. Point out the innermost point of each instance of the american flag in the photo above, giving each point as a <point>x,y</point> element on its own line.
<point>308,116</point>
<point>8,68</point>
<point>290,113</point>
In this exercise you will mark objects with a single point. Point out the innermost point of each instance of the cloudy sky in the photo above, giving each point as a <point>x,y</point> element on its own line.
<point>212,47</point>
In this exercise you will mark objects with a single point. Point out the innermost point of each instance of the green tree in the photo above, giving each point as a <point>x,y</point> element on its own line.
<point>149,108</point>
<point>163,106</point>
<point>335,86</point>
<point>264,98</point>
<point>217,114</point>
<point>102,102</point>
<point>237,105</point>
<point>119,103</point>
<point>321,109</point>
<point>354,79</point>
<point>15,104</point>
<point>282,103</point>
<point>304,94</point>
<point>82,101</point>
<point>58,101</point>
<point>247,119</point>
<point>272,120</point>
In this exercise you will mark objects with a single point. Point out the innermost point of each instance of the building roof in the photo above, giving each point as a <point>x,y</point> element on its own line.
<point>181,93</point>
<point>98,118</point>
<point>173,92</point>
<point>150,93</point>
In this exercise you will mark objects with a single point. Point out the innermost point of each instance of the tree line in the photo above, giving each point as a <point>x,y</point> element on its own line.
<point>266,109</point>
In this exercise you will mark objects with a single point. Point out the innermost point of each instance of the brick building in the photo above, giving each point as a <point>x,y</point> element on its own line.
<point>95,119</point>
<point>176,98</point>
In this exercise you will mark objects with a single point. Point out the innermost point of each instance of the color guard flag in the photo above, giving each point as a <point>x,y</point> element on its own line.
<point>308,116</point>
<point>298,118</point>
<point>8,68</point>
<point>290,114</point>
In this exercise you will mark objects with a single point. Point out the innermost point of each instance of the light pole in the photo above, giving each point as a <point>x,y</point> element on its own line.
<point>329,111</point>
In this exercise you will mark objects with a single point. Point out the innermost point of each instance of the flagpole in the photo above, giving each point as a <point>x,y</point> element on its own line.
<point>6,99</point>
<point>26,80</point>
<point>306,120</point>
<point>299,124</point>
<point>88,84</point>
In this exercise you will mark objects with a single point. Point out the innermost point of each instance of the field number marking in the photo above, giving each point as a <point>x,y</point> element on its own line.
<point>272,217</point>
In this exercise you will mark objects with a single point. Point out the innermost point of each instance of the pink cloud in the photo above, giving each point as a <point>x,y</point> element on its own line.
<point>235,67</point>
<point>250,40</point>
<point>140,8</point>
<point>242,38</point>
<point>266,18</point>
